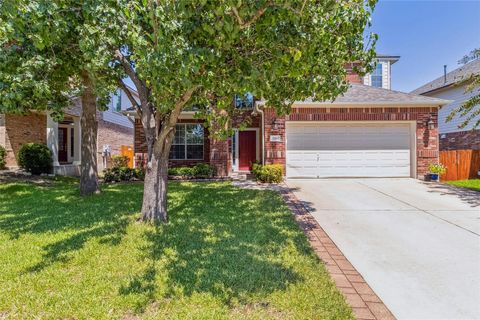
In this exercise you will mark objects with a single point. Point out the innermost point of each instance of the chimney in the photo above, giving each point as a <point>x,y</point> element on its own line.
<point>444,73</point>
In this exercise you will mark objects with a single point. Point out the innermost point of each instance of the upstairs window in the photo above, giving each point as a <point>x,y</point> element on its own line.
<point>244,102</point>
<point>118,105</point>
<point>377,78</point>
<point>116,101</point>
<point>188,142</point>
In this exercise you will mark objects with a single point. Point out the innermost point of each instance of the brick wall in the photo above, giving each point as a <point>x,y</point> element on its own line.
<point>426,139</point>
<point>460,140</point>
<point>114,135</point>
<point>21,129</point>
<point>352,77</point>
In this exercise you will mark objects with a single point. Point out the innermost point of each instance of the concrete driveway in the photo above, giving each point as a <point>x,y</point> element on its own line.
<point>416,244</point>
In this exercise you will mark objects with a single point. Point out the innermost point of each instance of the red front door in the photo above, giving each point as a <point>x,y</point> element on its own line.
<point>247,149</point>
<point>62,145</point>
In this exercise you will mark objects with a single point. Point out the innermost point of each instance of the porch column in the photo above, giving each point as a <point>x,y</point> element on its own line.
<point>77,136</point>
<point>52,138</point>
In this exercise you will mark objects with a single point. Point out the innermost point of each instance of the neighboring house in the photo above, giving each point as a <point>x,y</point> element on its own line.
<point>367,132</point>
<point>452,87</point>
<point>64,138</point>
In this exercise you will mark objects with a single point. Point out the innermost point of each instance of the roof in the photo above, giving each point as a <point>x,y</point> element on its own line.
<point>391,58</point>
<point>453,77</point>
<point>359,94</point>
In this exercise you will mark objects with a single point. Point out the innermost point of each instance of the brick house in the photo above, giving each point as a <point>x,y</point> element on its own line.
<point>451,86</point>
<point>64,138</point>
<point>370,131</point>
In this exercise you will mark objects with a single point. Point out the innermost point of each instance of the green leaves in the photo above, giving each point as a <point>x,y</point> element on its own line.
<point>45,45</point>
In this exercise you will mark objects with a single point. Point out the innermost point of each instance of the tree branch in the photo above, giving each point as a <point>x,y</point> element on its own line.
<point>245,24</point>
<point>127,66</point>
<point>130,96</point>
<point>173,118</point>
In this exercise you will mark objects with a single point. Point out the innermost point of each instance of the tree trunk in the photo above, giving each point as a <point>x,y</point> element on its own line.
<point>154,206</point>
<point>89,176</point>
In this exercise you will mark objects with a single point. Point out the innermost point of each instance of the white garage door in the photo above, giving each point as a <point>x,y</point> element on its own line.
<point>317,150</point>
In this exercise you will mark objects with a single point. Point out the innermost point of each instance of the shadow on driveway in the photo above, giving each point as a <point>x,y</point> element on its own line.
<point>471,197</point>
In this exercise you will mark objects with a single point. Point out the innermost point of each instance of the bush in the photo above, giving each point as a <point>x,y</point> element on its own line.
<point>35,158</point>
<point>120,161</point>
<point>118,174</point>
<point>203,170</point>
<point>270,173</point>
<point>185,172</point>
<point>3,155</point>
<point>437,168</point>
<point>139,173</point>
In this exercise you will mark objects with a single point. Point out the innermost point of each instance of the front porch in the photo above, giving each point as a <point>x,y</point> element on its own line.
<point>64,139</point>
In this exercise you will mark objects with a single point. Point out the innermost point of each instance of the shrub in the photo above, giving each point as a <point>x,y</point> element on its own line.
<point>270,173</point>
<point>437,168</point>
<point>139,173</point>
<point>203,170</point>
<point>118,174</point>
<point>181,171</point>
<point>3,155</point>
<point>35,158</point>
<point>120,161</point>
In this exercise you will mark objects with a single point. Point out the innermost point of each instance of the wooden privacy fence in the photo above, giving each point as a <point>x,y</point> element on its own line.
<point>127,151</point>
<point>460,164</point>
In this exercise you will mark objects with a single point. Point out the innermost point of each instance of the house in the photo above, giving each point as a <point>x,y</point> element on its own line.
<point>64,137</point>
<point>452,86</point>
<point>380,77</point>
<point>370,131</point>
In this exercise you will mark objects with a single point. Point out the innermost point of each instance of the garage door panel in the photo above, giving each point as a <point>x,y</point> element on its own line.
<point>348,150</point>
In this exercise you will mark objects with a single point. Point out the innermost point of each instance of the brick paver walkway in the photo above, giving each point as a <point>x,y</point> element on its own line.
<point>364,302</point>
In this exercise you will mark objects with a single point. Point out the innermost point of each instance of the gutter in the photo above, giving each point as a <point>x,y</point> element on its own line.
<point>256,109</point>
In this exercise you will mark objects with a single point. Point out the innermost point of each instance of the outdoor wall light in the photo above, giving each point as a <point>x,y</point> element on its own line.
<point>430,124</point>
<point>274,124</point>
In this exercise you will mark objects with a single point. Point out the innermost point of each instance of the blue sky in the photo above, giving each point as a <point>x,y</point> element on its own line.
<point>427,35</point>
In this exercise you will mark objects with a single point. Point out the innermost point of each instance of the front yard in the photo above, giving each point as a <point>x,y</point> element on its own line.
<point>473,184</point>
<point>226,253</point>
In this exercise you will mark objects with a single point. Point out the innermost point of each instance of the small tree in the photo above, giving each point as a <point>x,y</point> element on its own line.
<point>51,51</point>
<point>469,110</point>
<point>179,53</point>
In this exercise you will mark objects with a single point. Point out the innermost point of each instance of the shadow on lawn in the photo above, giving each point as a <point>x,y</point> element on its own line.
<point>220,240</point>
<point>25,208</point>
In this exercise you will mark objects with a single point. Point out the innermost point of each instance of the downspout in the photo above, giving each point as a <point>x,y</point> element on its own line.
<point>263,131</point>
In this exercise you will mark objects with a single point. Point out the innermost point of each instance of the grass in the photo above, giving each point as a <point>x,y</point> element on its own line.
<point>473,184</point>
<point>227,253</point>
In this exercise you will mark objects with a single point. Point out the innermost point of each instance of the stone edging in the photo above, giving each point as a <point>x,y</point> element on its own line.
<point>363,300</point>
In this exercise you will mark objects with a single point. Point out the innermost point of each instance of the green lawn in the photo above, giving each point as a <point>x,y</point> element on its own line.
<point>227,253</point>
<point>473,184</point>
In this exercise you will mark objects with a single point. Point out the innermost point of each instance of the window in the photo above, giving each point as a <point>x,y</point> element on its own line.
<point>377,76</point>
<point>245,102</point>
<point>188,142</point>
<point>118,106</point>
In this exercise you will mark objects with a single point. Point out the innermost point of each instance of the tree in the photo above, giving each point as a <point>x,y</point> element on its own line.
<point>51,51</point>
<point>180,53</point>
<point>469,111</point>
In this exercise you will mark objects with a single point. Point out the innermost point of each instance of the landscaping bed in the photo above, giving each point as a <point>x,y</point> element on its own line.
<point>227,253</point>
